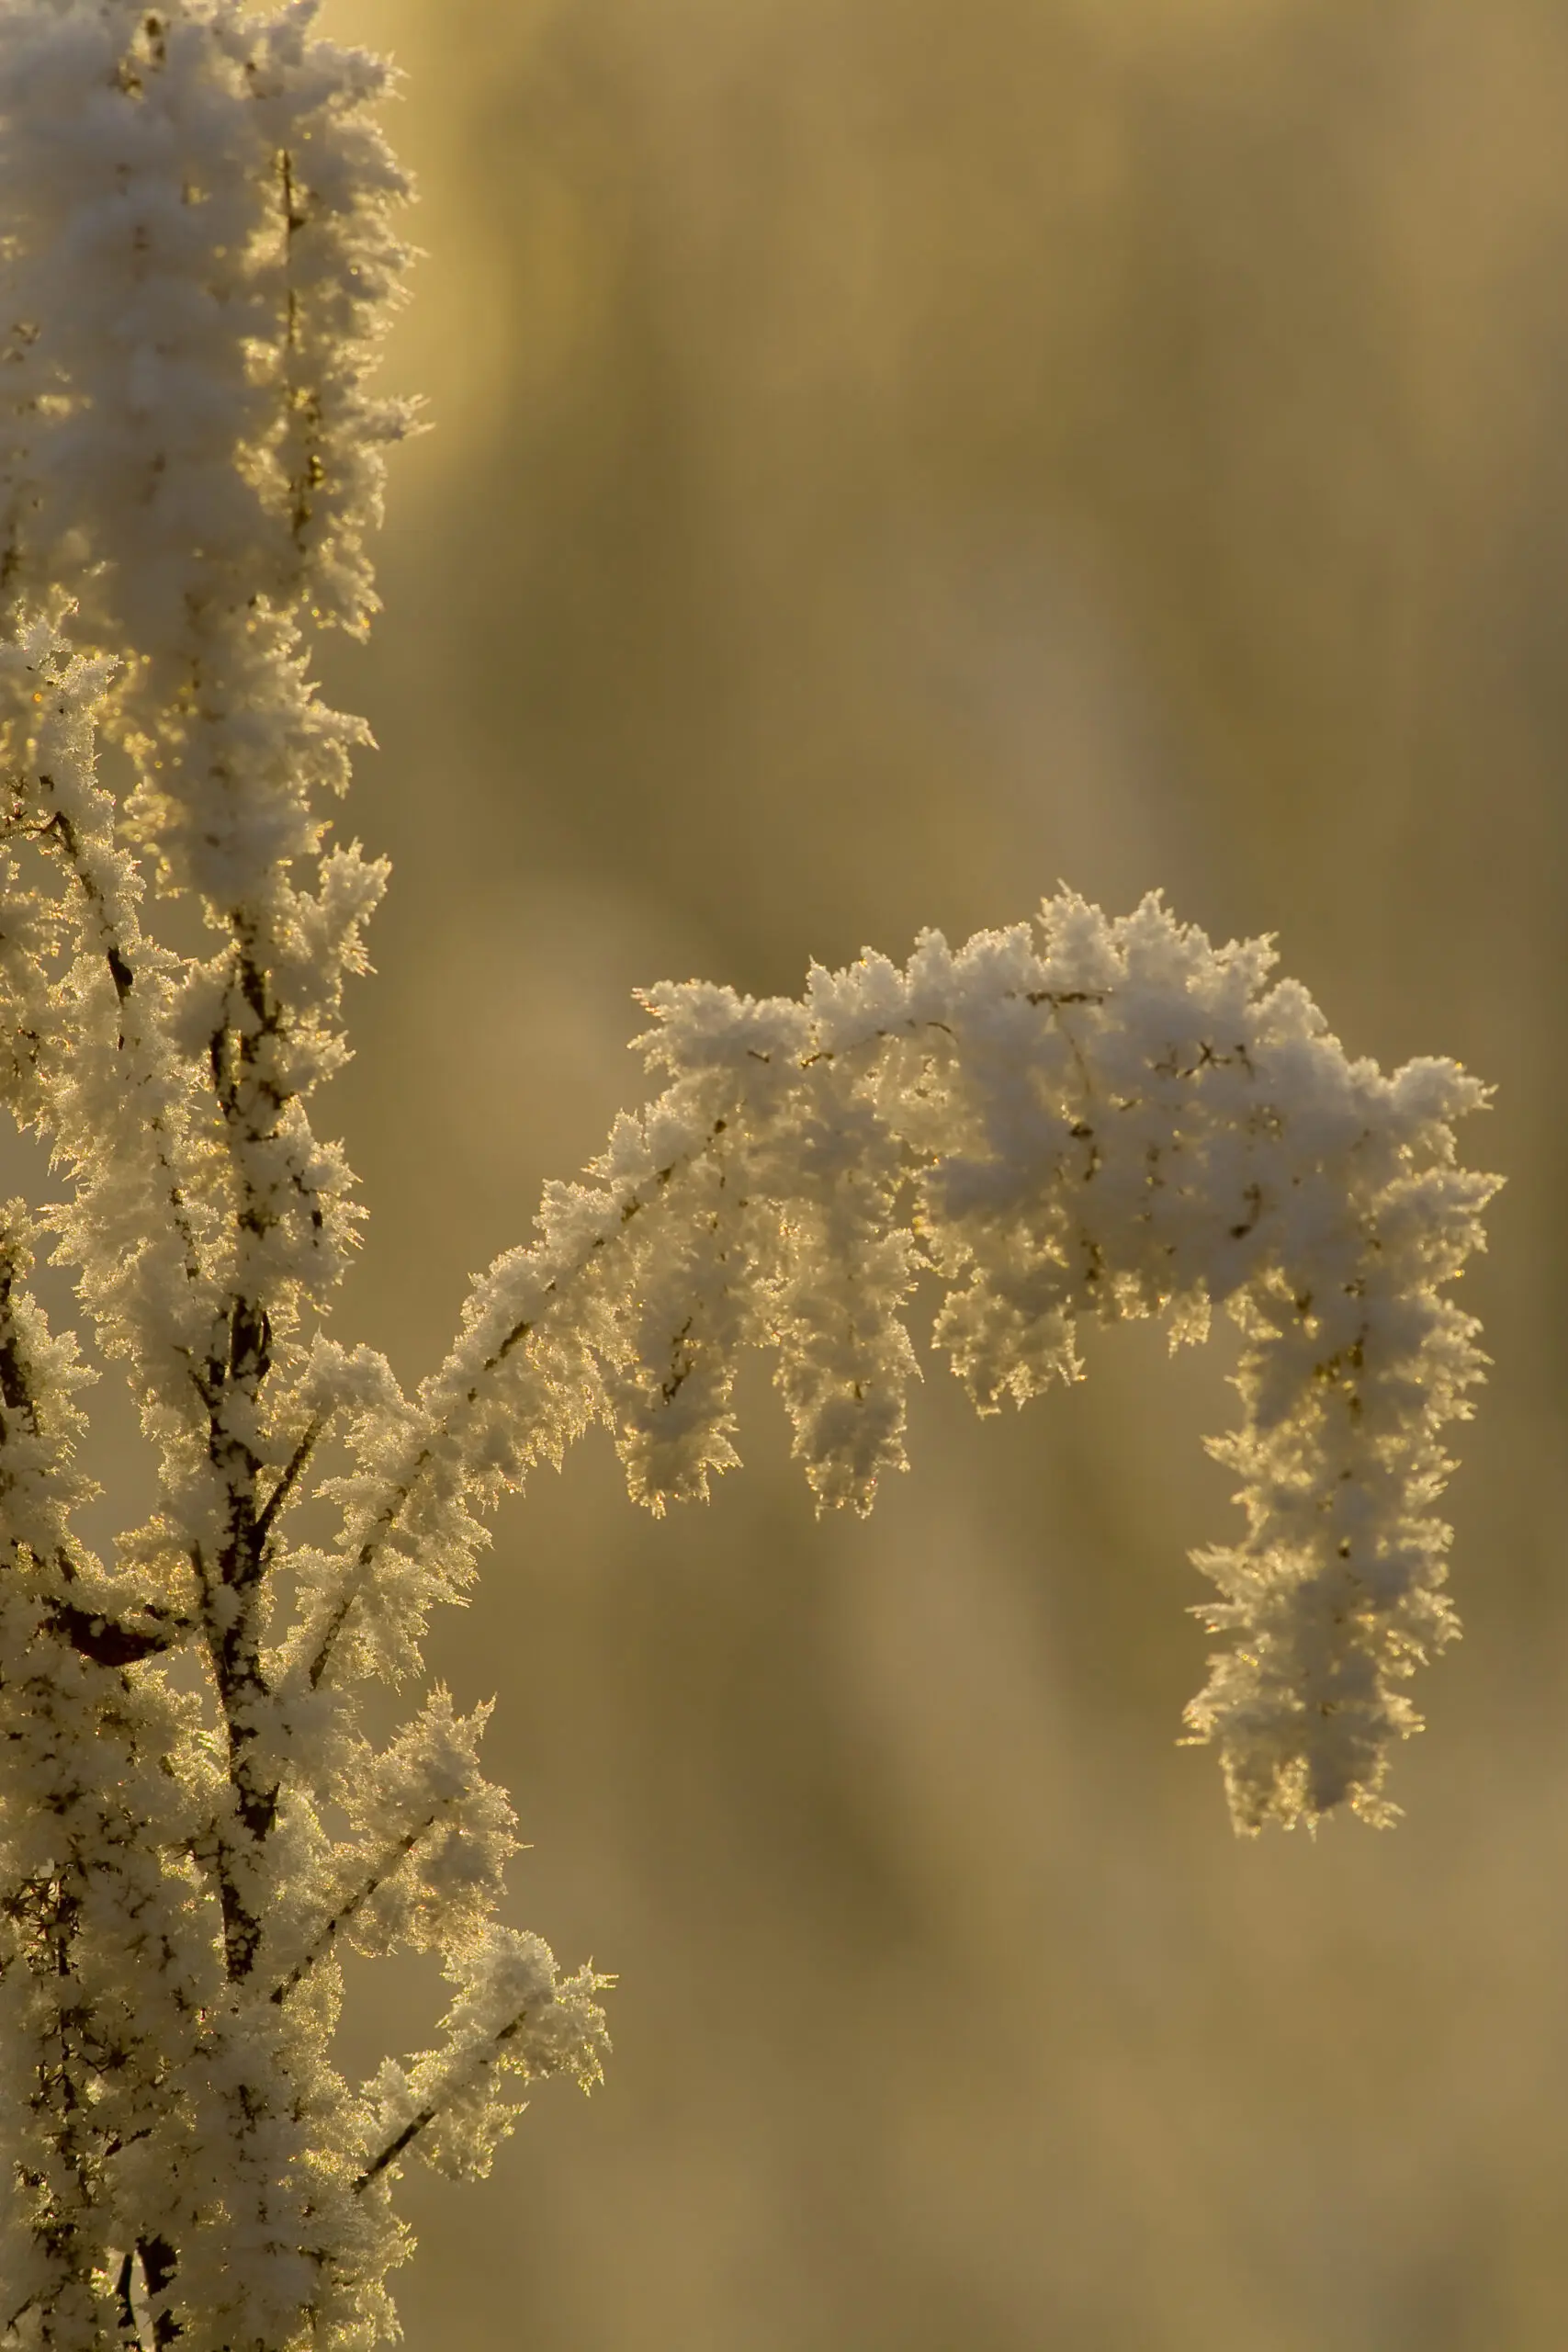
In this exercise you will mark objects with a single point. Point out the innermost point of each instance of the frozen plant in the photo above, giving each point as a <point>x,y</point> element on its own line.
<point>1076,1117</point>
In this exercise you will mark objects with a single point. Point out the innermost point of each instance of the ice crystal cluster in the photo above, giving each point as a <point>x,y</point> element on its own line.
<point>1076,1117</point>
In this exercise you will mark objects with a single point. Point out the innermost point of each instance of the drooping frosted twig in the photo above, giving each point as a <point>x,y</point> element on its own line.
<point>1091,1118</point>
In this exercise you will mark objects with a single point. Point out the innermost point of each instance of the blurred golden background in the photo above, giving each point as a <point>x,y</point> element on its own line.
<point>889,457</point>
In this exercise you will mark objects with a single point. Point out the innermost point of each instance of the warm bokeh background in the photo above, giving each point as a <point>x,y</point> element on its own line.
<point>892,454</point>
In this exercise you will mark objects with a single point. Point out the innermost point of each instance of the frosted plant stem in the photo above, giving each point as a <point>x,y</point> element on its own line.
<point>1075,1118</point>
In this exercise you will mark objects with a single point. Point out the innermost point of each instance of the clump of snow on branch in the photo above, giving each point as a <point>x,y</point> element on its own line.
<point>1075,1118</point>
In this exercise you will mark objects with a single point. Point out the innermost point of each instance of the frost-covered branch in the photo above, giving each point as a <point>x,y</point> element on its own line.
<point>1074,1118</point>
<point>512,2022</point>
<point>1086,1118</point>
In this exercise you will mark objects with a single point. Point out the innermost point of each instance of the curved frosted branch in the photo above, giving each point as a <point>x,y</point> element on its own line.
<point>1086,1118</point>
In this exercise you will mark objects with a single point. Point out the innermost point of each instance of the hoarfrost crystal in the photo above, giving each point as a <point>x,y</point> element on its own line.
<point>1072,1118</point>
